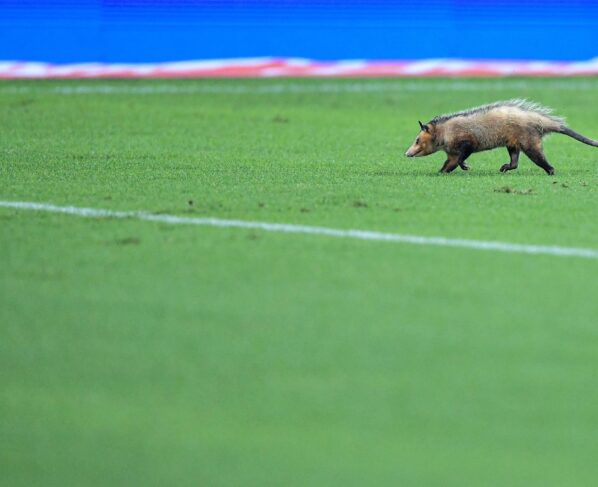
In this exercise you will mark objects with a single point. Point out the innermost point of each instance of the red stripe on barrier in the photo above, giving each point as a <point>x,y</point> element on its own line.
<point>270,67</point>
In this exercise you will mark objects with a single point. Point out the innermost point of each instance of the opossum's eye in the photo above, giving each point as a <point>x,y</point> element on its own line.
<point>417,140</point>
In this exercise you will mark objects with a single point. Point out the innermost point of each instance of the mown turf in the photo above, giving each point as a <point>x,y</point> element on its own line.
<point>136,353</point>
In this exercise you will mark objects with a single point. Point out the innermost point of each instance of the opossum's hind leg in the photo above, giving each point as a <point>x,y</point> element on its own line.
<point>514,153</point>
<point>537,157</point>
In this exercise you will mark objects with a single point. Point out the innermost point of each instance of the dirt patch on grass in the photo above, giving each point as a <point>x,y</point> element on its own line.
<point>127,241</point>
<point>509,190</point>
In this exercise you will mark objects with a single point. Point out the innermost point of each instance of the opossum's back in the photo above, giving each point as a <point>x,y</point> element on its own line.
<point>501,126</point>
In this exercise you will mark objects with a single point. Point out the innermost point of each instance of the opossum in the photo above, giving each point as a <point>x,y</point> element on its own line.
<point>518,125</point>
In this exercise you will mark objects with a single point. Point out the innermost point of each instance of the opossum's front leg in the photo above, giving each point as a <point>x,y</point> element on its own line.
<point>450,164</point>
<point>514,153</point>
<point>454,160</point>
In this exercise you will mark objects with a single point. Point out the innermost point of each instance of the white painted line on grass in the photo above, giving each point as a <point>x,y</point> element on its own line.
<point>303,229</point>
<point>259,88</point>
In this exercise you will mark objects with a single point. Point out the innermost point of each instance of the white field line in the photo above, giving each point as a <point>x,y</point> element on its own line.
<point>311,230</point>
<point>276,88</point>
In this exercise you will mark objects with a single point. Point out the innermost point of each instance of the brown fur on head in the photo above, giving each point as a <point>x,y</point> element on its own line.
<point>424,144</point>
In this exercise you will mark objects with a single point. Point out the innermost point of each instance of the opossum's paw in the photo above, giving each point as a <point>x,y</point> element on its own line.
<point>550,171</point>
<point>465,167</point>
<point>505,167</point>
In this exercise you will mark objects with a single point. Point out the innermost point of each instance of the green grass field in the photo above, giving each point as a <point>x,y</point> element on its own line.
<point>141,353</point>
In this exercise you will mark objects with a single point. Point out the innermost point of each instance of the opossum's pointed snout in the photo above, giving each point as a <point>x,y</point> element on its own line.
<point>408,154</point>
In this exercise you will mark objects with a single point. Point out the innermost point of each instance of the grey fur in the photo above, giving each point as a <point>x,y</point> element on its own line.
<point>520,103</point>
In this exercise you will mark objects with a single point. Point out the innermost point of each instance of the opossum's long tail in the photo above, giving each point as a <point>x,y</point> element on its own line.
<point>577,136</point>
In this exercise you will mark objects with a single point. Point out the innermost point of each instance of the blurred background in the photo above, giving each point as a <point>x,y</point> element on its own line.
<point>144,31</point>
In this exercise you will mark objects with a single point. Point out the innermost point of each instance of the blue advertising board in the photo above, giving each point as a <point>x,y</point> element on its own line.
<point>113,31</point>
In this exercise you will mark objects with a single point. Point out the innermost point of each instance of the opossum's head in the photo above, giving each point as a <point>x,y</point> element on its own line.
<point>424,144</point>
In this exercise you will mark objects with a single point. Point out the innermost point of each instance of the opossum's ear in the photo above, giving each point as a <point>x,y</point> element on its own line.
<point>424,127</point>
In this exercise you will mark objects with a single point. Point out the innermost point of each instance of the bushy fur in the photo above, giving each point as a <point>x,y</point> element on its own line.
<point>518,103</point>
